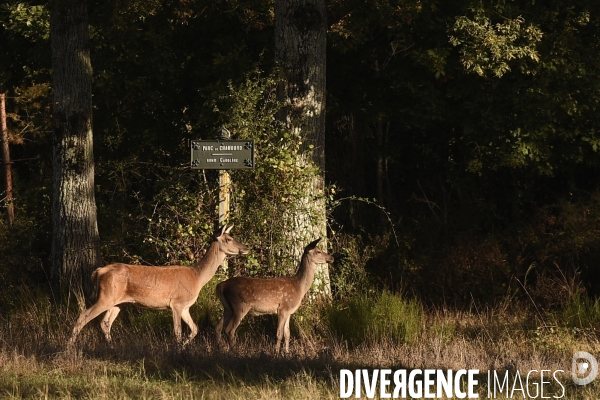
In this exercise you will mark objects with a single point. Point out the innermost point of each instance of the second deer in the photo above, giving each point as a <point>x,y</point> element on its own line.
<point>282,296</point>
<point>174,286</point>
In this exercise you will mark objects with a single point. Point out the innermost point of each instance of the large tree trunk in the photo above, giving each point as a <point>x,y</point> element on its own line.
<point>75,246</point>
<point>300,47</point>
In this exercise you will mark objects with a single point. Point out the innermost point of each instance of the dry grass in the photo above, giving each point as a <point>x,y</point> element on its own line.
<point>144,362</point>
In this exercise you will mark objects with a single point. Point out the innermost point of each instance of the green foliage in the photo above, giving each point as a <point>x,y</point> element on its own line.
<point>349,276</point>
<point>182,219</point>
<point>376,317</point>
<point>33,22</point>
<point>267,199</point>
<point>356,21</point>
<point>488,47</point>
<point>483,148</point>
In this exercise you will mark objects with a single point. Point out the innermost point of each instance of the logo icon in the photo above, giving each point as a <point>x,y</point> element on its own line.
<point>584,363</point>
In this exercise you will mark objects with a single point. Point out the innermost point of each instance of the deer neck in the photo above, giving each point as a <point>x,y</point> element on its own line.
<point>207,266</point>
<point>305,274</point>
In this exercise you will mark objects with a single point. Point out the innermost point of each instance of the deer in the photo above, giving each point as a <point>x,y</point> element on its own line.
<point>174,286</point>
<point>282,296</point>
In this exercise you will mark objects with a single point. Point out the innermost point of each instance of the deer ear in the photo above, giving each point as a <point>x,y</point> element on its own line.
<point>228,229</point>
<point>312,245</point>
<point>219,232</point>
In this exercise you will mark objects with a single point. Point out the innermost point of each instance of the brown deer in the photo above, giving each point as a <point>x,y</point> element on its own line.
<point>282,296</point>
<point>174,286</point>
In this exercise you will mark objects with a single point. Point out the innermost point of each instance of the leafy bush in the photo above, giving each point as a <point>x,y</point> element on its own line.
<point>267,201</point>
<point>182,220</point>
<point>348,275</point>
<point>376,318</point>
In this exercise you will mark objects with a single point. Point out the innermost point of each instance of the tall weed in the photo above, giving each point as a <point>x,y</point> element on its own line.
<point>581,312</point>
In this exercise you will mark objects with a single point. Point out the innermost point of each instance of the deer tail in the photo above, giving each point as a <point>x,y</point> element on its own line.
<point>219,327</point>
<point>219,291</point>
<point>94,280</point>
<point>227,309</point>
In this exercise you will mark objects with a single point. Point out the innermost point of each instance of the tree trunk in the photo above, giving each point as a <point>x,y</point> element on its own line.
<point>380,199</point>
<point>75,242</point>
<point>383,179</point>
<point>10,208</point>
<point>300,47</point>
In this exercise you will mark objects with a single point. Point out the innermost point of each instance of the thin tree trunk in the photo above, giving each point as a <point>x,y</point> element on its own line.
<point>10,208</point>
<point>380,198</point>
<point>75,242</point>
<point>300,46</point>
<point>389,193</point>
<point>383,180</point>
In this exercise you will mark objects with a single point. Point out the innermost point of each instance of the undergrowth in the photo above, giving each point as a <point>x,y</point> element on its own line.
<point>378,331</point>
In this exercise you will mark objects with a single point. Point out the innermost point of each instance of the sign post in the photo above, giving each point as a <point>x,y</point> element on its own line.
<point>224,196</point>
<point>223,154</point>
<point>224,185</point>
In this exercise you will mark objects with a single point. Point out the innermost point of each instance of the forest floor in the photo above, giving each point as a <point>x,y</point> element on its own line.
<point>144,363</point>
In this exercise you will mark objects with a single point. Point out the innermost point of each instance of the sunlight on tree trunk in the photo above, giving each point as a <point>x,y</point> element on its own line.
<point>10,208</point>
<point>75,252</point>
<point>300,44</point>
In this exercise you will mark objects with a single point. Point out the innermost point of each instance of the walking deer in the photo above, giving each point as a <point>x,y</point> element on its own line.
<point>282,296</point>
<point>175,286</point>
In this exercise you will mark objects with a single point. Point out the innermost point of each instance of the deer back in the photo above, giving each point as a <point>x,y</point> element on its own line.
<point>264,296</point>
<point>153,287</point>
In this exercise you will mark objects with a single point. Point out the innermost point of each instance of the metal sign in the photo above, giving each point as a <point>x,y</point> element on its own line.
<point>222,154</point>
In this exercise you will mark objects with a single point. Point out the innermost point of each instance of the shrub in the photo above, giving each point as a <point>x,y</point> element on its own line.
<point>268,201</point>
<point>182,220</point>
<point>581,312</point>
<point>348,274</point>
<point>384,316</point>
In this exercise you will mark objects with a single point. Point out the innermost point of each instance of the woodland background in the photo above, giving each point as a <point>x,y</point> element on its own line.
<point>461,143</point>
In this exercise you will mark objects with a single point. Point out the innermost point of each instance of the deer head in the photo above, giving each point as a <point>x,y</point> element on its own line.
<point>228,244</point>
<point>315,254</point>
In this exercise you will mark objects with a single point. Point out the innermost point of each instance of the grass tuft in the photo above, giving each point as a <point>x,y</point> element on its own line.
<point>384,316</point>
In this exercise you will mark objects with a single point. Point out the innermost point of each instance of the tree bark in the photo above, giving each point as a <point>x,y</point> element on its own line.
<point>75,240</point>
<point>300,47</point>
<point>10,208</point>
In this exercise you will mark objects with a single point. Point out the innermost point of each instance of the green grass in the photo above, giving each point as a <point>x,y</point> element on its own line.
<point>378,317</point>
<point>98,379</point>
<point>581,312</point>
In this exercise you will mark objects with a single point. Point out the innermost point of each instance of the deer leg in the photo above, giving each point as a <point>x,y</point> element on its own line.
<point>286,333</point>
<point>224,321</point>
<point>280,328</point>
<point>86,317</point>
<point>233,324</point>
<point>219,328</point>
<point>187,318</point>
<point>177,323</point>
<point>108,320</point>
